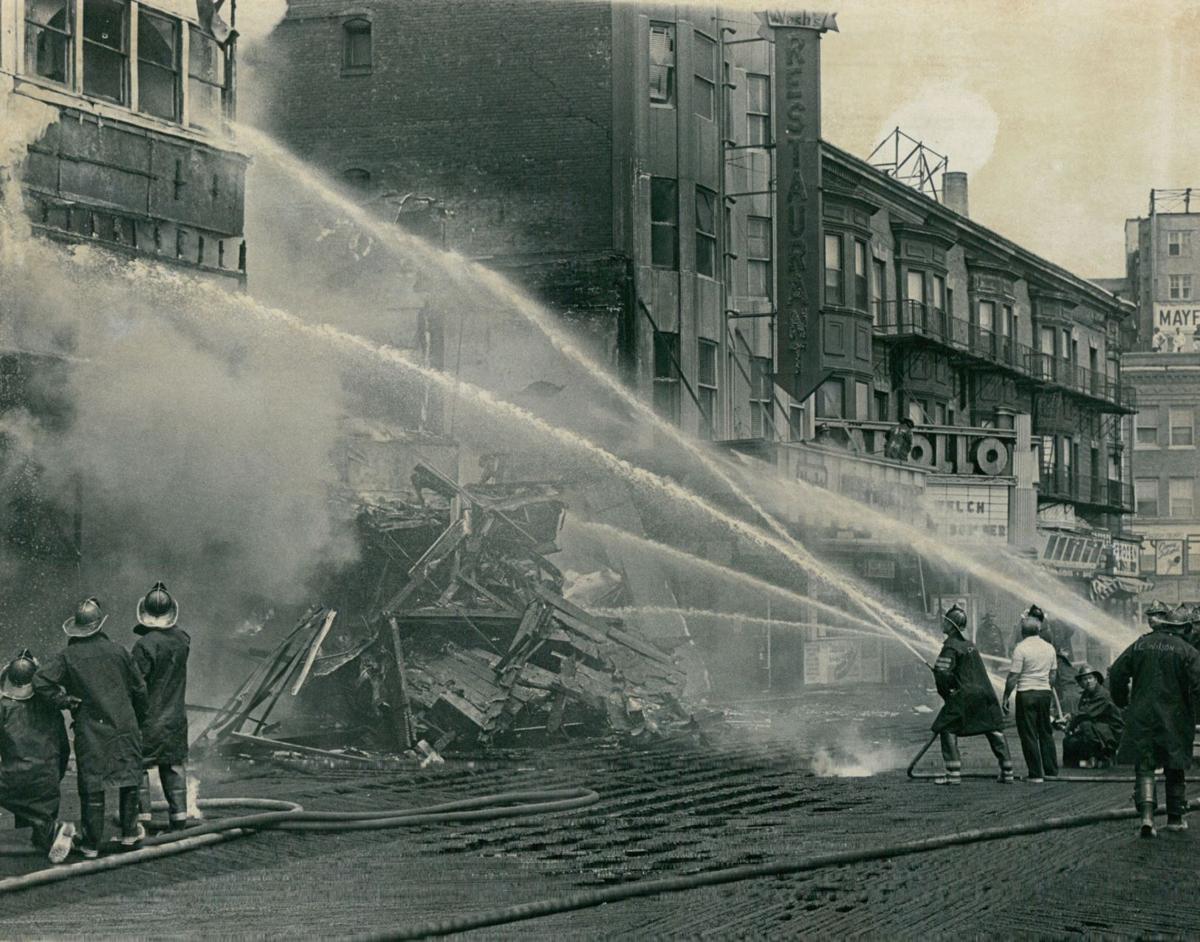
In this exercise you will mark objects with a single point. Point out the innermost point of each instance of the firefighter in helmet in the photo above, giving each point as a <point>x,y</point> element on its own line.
<point>161,656</point>
<point>33,759</point>
<point>971,707</point>
<point>97,679</point>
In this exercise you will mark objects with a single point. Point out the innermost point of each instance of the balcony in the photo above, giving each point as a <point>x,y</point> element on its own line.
<point>915,320</point>
<point>1105,494</point>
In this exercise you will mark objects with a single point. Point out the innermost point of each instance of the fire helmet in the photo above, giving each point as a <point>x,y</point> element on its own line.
<point>954,617</point>
<point>158,609</point>
<point>1034,612</point>
<point>88,619</point>
<point>18,677</point>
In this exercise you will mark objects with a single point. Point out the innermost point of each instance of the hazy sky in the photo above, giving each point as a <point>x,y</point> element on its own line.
<point>1064,112</point>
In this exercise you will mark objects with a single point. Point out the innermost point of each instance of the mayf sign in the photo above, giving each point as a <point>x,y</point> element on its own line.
<point>798,195</point>
<point>1176,328</point>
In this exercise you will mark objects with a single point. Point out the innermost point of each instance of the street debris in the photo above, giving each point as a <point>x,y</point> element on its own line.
<point>475,643</point>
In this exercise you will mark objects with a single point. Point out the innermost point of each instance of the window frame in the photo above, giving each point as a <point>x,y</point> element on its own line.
<point>196,78</point>
<point>704,83</point>
<point>667,30</point>
<point>878,291</point>
<point>1179,287</point>
<point>355,27</point>
<point>122,53</point>
<point>834,283</point>
<point>1190,425</point>
<point>1139,484</point>
<point>835,384</point>
<point>862,277</point>
<point>1179,243</point>
<point>1189,499</point>
<point>755,118</point>
<point>759,256</point>
<point>666,376</point>
<point>707,386</point>
<point>175,71</point>
<point>762,421</point>
<point>671,223</point>
<point>67,36</point>
<point>706,241</point>
<point>1139,425</point>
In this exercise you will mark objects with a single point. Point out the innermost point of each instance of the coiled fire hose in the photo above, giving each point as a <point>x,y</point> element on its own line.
<point>289,816</point>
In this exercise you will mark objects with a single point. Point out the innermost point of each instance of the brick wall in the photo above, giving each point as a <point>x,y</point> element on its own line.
<point>501,109</point>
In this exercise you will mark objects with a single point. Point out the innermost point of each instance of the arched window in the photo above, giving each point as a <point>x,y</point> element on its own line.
<point>357,177</point>
<point>356,45</point>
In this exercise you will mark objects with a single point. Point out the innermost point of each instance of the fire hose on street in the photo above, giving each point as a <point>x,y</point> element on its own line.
<point>274,814</point>
<point>914,774</point>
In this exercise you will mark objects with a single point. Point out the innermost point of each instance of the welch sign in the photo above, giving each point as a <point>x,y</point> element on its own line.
<point>969,512</point>
<point>1176,328</point>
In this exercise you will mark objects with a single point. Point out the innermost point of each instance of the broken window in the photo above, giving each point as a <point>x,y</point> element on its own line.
<point>356,45</point>
<point>706,232</point>
<point>48,40</point>
<point>758,256</point>
<point>664,223</point>
<point>760,397</point>
<point>206,80</point>
<point>666,375</point>
<point>705,89</point>
<point>105,49</point>
<point>758,111</point>
<point>706,388</point>
<point>158,65</point>
<point>662,63</point>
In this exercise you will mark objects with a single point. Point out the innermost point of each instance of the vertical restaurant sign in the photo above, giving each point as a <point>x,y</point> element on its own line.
<point>797,108</point>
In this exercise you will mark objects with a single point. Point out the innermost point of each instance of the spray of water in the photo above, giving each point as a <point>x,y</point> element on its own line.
<point>1009,574</point>
<point>470,276</point>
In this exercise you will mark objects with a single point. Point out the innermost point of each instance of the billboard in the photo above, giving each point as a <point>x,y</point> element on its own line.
<point>1176,328</point>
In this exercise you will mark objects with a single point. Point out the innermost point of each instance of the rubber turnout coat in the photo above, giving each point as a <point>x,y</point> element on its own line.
<point>971,706</point>
<point>161,656</point>
<point>1163,671</point>
<point>34,750</point>
<point>1096,722</point>
<point>108,740</point>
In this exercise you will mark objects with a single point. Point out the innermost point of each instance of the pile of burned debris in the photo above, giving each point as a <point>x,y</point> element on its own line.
<point>477,643</point>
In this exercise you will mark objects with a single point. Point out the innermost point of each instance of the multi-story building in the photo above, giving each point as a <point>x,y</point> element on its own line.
<point>124,102</point>
<point>1162,253</point>
<point>656,173</point>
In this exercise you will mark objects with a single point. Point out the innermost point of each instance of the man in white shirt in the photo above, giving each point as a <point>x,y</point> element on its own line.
<point>1032,675</point>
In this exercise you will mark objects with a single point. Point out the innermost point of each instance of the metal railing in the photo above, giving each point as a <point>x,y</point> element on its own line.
<point>1056,484</point>
<point>918,319</point>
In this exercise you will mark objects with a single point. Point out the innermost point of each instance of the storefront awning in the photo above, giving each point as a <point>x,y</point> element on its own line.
<point>1107,587</point>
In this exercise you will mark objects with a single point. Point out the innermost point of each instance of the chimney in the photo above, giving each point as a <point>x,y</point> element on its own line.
<point>954,191</point>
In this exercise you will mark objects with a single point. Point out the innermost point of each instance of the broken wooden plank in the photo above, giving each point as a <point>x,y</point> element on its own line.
<point>406,733</point>
<point>419,574</point>
<point>598,631</point>
<point>296,747</point>
<point>313,650</point>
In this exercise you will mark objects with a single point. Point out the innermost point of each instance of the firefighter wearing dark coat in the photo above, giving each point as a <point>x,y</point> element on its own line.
<point>111,705</point>
<point>33,759</point>
<point>161,656</point>
<point>971,707</point>
<point>1157,680</point>
<point>1094,729</point>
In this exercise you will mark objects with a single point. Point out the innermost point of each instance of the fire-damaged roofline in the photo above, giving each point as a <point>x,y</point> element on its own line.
<point>926,205</point>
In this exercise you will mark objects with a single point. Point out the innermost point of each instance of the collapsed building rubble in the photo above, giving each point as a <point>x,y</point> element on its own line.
<point>476,642</point>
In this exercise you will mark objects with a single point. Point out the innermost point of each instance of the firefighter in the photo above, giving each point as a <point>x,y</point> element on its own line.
<point>110,704</point>
<point>971,707</point>
<point>1157,680</point>
<point>898,443</point>
<point>161,656</point>
<point>1094,729</point>
<point>33,759</point>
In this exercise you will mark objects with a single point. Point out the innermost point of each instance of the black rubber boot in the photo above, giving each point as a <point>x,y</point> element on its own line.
<point>1176,800</point>
<point>132,831</point>
<point>91,819</point>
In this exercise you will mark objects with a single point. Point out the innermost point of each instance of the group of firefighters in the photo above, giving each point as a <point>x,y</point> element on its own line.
<point>128,712</point>
<point>1146,717</point>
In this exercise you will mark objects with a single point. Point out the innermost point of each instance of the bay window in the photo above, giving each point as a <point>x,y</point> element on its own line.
<point>49,40</point>
<point>106,49</point>
<point>158,65</point>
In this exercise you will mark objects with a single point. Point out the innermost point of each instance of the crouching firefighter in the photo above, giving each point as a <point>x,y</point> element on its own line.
<point>33,758</point>
<point>110,703</point>
<point>161,656</point>
<point>1157,679</point>
<point>971,707</point>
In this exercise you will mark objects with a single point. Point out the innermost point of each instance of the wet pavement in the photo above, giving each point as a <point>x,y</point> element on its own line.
<point>666,810</point>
